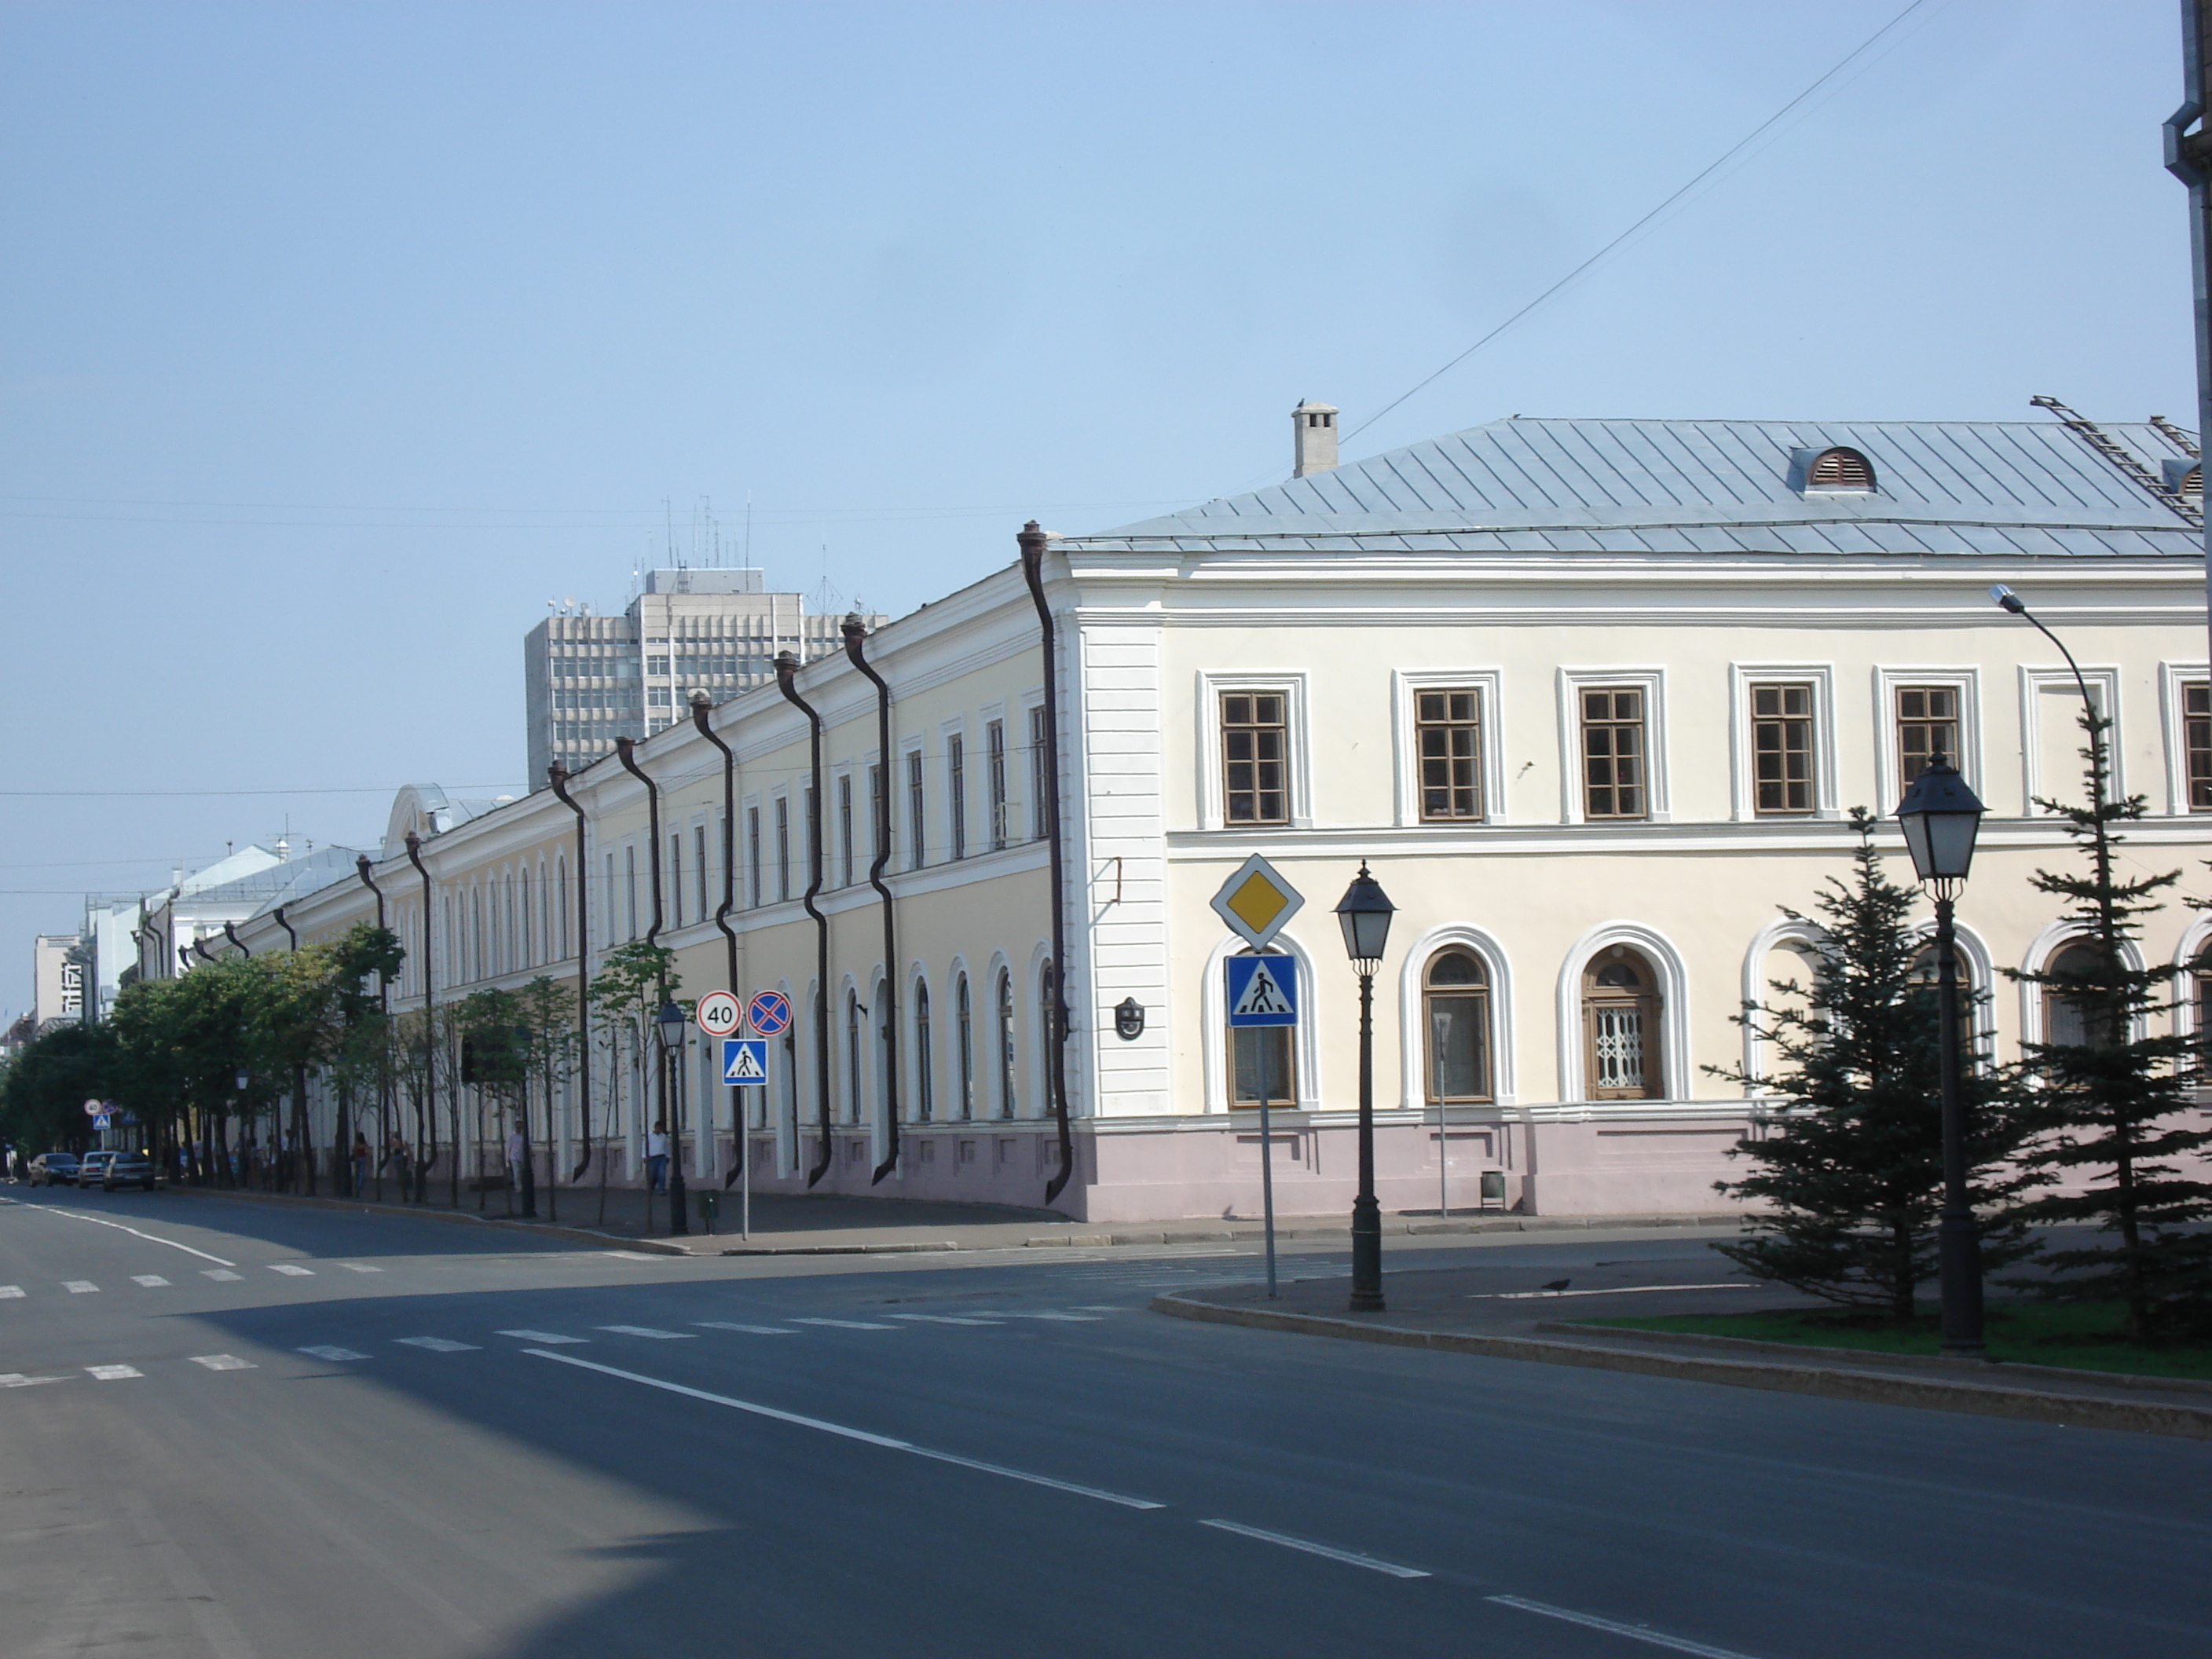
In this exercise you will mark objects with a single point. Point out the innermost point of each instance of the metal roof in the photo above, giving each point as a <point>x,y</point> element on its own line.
<point>1631,487</point>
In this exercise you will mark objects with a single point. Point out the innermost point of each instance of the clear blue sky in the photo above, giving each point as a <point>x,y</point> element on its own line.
<point>334,340</point>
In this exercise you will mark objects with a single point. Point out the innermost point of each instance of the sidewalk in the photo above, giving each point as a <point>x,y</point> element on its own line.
<point>1476,1309</point>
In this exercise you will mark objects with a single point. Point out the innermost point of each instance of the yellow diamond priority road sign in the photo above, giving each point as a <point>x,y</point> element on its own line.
<point>1256,901</point>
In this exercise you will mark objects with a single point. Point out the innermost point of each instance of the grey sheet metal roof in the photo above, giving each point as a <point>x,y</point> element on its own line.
<point>1633,487</point>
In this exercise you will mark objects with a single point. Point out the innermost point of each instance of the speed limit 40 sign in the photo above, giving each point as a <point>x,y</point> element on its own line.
<point>719,1014</point>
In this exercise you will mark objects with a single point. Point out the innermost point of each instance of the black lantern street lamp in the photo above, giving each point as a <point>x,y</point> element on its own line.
<point>1940,818</point>
<point>1364,913</point>
<point>669,1023</point>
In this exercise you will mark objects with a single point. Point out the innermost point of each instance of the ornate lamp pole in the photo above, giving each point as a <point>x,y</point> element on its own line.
<point>1364,913</point>
<point>1941,818</point>
<point>668,1025</point>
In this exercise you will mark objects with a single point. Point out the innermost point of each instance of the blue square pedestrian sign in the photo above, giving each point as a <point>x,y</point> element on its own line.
<point>1263,990</point>
<point>745,1061</point>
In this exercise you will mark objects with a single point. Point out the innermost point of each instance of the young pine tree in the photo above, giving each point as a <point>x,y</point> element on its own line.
<point>1850,1180</point>
<point>2110,1101</point>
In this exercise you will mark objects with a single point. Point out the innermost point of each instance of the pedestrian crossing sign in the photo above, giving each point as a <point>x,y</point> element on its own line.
<point>745,1062</point>
<point>1263,990</point>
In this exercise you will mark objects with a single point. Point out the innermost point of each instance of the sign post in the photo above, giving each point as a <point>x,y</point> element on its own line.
<point>767,1013</point>
<point>1262,992</point>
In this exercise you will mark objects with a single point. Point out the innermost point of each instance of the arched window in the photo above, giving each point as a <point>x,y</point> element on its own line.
<point>2200,998</point>
<point>964,1016</point>
<point>925,1098</point>
<point>1839,469</point>
<point>1620,1027</point>
<point>852,1057</point>
<point>2071,1018</point>
<point>1047,1017</point>
<point>1262,1055</point>
<point>1923,971</point>
<point>1455,1004</point>
<point>1006,1090</point>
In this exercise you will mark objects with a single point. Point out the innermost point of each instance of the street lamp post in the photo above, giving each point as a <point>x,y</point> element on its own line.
<point>2012,604</point>
<point>1364,913</point>
<point>669,1022</point>
<point>1941,818</point>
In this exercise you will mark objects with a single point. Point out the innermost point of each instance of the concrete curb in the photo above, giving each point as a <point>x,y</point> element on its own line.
<point>1302,1227</point>
<point>1879,1388</point>
<point>928,1246</point>
<point>527,1229</point>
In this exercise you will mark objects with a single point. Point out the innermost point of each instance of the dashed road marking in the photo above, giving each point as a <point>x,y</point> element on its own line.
<point>17,1380</point>
<point>438,1344</point>
<point>750,1330</point>
<point>648,1330</point>
<point>1633,1632</point>
<point>948,1319</point>
<point>288,1268</point>
<point>113,1373</point>
<point>220,1273</point>
<point>224,1362</point>
<point>334,1353</point>
<point>1349,1557</point>
<point>358,1267</point>
<point>151,1281</point>
<point>543,1336</point>
<point>79,1286</point>
<point>8,1291</point>
<point>847,1324</point>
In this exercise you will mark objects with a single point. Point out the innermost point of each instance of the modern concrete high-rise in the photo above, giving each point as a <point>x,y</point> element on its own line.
<point>588,680</point>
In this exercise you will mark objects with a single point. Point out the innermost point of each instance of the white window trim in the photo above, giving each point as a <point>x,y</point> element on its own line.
<point>2171,676</point>
<point>2105,687</point>
<point>946,730</point>
<point>2194,939</point>
<point>1487,684</point>
<point>1291,682</point>
<point>2045,945</point>
<point>1979,989</point>
<point>833,847</point>
<point>1821,677</point>
<point>1412,1027</point>
<point>1032,810</point>
<point>1213,1026</point>
<point>1653,684</point>
<point>1786,933</point>
<point>1673,1010</point>
<point>905,854</point>
<point>1889,788</point>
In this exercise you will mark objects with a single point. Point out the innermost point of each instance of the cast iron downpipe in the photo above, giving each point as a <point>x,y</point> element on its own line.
<point>557,776</point>
<point>787,681</point>
<point>700,703</point>
<point>279,913</point>
<point>855,632</point>
<point>430,1041</point>
<point>1032,543</point>
<point>231,933</point>
<point>671,1099</point>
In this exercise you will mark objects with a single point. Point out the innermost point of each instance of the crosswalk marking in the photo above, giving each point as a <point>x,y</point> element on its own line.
<point>750,1330</point>
<point>224,1362</point>
<point>288,1268</point>
<point>438,1345</point>
<point>1068,1318</point>
<point>846,1324</point>
<point>219,1272</point>
<point>948,1319</point>
<point>7,1291</point>
<point>543,1336</point>
<point>113,1373</point>
<point>17,1380</point>
<point>334,1353</point>
<point>151,1281</point>
<point>79,1286</point>
<point>358,1268</point>
<point>648,1330</point>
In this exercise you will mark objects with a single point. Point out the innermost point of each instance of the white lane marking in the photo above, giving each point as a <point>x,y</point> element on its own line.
<point>750,1330</point>
<point>151,1281</point>
<point>113,1373</point>
<point>17,1380</point>
<point>357,1268</point>
<point>544,1336</point>
<point>842,1433</point>
<point>334,1353</point>
<point>1096,1307</point>
<point>438,1345</point>
<point>288,1267</point>
<point>846,1324</point>
<point>632,1255</point>
<point>648,1330</point>
<point>1066,1318</point>
<point>220,1273</point>
<point>52,1209</point>
<point>79,1286</point>
<point>948,1319</point>
<point>1603,1290</point>
<point>1349,1557</point>
<point>7,1291</point>
<point>224,1362</point>
<point>1634,1632</point>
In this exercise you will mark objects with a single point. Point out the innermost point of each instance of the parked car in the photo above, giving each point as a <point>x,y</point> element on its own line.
<point>93,1170</point>
<point>53,1170</point>
<point>129,1170</point>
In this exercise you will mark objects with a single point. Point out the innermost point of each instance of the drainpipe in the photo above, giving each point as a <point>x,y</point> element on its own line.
<point>700,703</point>
<point>231,933</point>
<point>299,1081</point>
<point>787,681</point>
<point>557,776</point>
<point>1032,542</point>
<point>278,912</point>
<point>855,632</point>
<point>671,1111</point>
<point>430,1040</point>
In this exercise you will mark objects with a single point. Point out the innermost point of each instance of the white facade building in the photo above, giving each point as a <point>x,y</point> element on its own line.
<point>57,976</point>
<point>1592,698</point>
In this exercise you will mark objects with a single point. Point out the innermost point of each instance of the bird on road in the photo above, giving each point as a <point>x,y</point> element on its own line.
<point>1557,1285</point>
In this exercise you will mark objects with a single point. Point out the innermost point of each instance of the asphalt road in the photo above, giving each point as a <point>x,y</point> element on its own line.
<point>235,1430</point>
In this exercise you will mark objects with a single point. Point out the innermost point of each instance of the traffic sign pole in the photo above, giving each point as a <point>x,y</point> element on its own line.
<point>1267,1170</point>
<point>1263,993</point>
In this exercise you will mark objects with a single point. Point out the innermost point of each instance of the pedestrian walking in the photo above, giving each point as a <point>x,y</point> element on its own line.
<point>395,1155</point>
<point>360,1162</point>
<point>656,1157</point>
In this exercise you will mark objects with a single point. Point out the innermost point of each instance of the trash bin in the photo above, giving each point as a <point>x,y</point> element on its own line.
<point>710,1205</point>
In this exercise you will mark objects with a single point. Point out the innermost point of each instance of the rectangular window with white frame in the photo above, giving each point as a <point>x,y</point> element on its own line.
<point>782,848</point>
<point>1448,765</point>
<point>917,811</point>
<point>1039,825</point>
<point>2184,693</point>
<point>994,758</point>
<point>753,855</point>
<point>1925,711</point>
<point>955,792</point>
<point>1612,735</point>
<point>2052,738</point>
<point>1782,732</point>
<point>845,847</point>
<point>1256,764</point>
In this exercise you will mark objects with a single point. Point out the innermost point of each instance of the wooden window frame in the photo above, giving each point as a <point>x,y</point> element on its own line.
<point>1243,716</point>
<point>1651,1004</point>
<point>1477,992</point>
<point>1462,773</point>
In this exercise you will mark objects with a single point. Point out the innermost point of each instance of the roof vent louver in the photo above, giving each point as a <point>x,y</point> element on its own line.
<point>1840,469</point>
